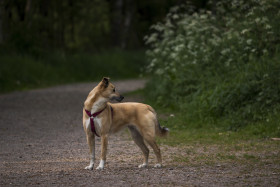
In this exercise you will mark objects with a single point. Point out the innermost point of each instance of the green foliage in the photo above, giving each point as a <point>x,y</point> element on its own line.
<point>223,66</point>
<point>31,26</point>
<point>24,72</point>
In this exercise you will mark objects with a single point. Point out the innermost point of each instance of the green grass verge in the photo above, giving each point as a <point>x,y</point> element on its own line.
<point>21,72</point>
<point>211,144</point>
<point>185,132</point>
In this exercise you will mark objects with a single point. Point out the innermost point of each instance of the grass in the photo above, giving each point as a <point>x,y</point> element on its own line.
<point>21,72</point>
<point>195,148</point>
<point>209,144</point>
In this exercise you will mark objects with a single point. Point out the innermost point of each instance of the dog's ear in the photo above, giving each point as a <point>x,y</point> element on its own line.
<point>105,81</point>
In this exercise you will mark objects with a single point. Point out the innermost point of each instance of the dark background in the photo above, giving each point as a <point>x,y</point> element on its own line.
<point>33,26</point>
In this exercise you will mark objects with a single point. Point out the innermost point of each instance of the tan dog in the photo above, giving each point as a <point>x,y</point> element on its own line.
<point>108,118</point>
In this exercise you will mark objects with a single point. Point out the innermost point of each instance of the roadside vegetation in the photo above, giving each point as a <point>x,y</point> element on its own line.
<point>50,42</point>
<point>23,71</point>
<point>214,80</point>
<point>219,69</point>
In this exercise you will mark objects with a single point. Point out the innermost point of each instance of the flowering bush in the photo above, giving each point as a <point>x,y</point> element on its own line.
<point>218,64</point>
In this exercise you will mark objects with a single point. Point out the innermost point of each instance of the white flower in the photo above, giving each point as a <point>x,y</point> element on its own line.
<point>249,41</point>
<point>152,38</point>
<point>203,16</point>
<point>264,51</point>
<point>267,26</point>
<point>244,31</point>
<point>175,16</point>
<point>257,20</point>
<point>173,55</point>
<point>225,51</point>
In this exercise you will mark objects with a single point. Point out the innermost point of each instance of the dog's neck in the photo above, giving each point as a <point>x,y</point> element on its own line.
<point>95,104</point>
<point>100,104</point>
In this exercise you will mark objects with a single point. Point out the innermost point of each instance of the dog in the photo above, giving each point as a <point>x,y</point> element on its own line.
<point>102,118</point>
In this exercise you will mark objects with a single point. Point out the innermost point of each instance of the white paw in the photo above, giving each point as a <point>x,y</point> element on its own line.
<point>99,168</point>
<point>90,167</point>
<point>142,166</point>
<point>157,166</point>
<point>101,165</point>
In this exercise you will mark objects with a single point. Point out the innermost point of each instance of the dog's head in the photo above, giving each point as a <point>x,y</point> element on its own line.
<point>108,91</point>
<point>102,93</point>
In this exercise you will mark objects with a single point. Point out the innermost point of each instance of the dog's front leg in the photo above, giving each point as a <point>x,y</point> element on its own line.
<point>104,143</point>
<point>91,144</point>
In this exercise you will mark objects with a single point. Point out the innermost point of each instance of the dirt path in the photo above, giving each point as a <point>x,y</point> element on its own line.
<point>43,144</point>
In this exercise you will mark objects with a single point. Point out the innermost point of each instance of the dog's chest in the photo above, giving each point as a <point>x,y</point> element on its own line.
<point>97,123</point>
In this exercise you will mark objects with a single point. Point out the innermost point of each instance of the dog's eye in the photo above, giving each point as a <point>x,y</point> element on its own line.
<point>114,90</point>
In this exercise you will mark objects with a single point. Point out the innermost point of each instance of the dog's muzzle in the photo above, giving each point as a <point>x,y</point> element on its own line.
<point>119,99</point>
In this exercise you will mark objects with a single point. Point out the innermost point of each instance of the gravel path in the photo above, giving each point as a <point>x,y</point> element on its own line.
<point>43,144</point>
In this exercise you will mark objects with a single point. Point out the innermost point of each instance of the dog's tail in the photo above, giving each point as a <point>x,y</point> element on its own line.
<point>160,131</point>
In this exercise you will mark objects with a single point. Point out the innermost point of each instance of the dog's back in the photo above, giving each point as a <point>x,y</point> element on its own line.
<point>141,115</point>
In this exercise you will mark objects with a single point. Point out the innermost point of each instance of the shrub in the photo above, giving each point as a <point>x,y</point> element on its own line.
<point>222,65</point>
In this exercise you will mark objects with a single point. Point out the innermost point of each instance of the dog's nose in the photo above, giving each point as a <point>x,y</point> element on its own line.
<point>121,97</point>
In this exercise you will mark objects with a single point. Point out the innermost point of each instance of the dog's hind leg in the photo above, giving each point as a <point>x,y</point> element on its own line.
<point>151,141</point>
<point>91,144</point>
<point>138,139</point>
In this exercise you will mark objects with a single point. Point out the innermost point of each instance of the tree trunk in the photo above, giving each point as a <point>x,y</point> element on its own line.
<point>129,13</point>
<point>28,13</point>
<point>1,21</point>
<point>116,22</point>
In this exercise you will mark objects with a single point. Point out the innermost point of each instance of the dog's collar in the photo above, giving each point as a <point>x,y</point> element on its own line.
<point>92,116</point>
